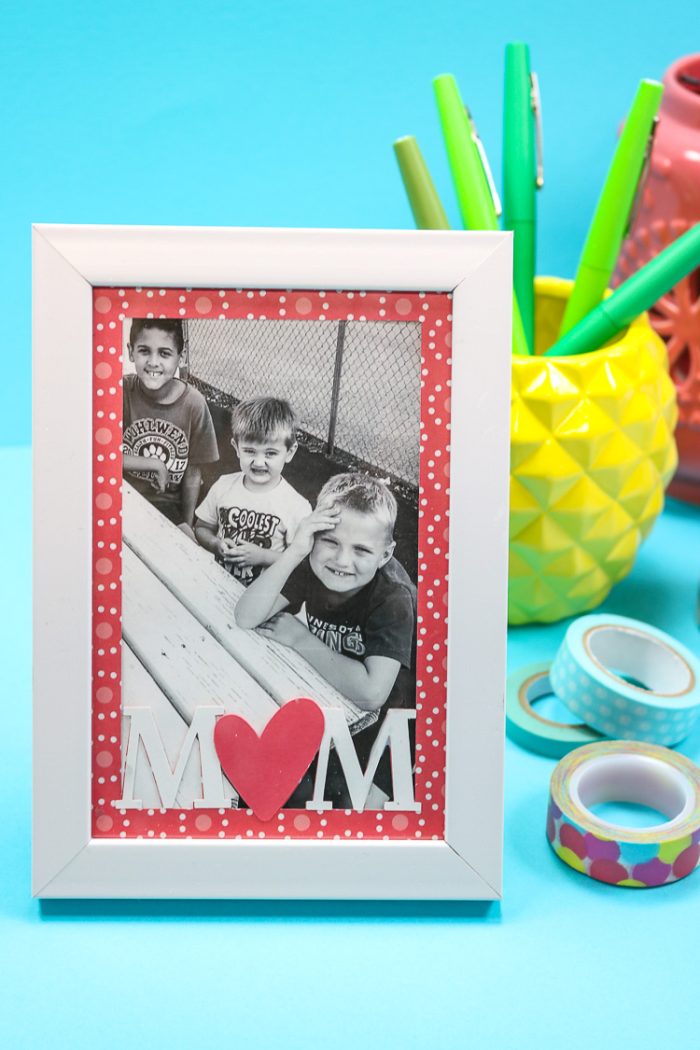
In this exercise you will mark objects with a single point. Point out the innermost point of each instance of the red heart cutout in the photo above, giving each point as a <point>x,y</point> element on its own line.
<point>266,769</point>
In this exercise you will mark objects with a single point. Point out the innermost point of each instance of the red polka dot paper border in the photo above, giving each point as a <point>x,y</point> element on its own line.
<point>433,310</point>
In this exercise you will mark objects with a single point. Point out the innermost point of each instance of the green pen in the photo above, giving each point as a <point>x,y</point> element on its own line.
<point>478,203</point>
<point>471,175</point>
<point>637,294</point>
<point>426,205</point>
<point>522,174</point>
<point>611,217</point>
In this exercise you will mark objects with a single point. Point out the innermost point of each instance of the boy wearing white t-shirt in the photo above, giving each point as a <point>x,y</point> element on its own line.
<point>248,519</point>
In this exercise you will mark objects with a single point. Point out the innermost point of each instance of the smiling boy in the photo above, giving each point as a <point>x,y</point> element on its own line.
<point>168,430</point>
<point>249,518</point>
<point>359,605</point>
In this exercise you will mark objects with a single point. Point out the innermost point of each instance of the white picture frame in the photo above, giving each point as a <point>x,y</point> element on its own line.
<point>68,262</point>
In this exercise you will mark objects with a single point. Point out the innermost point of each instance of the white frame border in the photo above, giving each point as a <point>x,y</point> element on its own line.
<point>68,261</point>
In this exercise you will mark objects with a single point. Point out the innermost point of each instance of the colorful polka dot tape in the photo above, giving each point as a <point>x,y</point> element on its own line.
<point>529,729</point>
<point>627,679</point>
<point>623,771</point>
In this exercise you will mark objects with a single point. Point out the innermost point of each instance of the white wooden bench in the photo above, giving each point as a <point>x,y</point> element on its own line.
<point>182,648</point>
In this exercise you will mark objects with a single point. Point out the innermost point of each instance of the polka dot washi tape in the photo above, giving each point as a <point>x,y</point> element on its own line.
<point>627,679</point>
<point>645,774</point>
<point>529,729</point>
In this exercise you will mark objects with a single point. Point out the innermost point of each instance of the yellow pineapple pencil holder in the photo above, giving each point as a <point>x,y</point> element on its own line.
<point>592,451</point>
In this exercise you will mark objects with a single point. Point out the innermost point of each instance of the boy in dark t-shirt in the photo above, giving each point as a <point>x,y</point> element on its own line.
<point>168,430</point>
<point>359,606</point>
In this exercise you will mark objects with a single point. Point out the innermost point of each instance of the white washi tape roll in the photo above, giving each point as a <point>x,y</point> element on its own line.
<point>617,771</point>
<point>627,679</point>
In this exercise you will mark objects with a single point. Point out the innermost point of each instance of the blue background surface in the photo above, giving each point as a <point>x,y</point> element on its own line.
<point>284,114</point>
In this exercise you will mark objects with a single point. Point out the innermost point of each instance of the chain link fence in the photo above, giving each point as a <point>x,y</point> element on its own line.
<point>354,385</point>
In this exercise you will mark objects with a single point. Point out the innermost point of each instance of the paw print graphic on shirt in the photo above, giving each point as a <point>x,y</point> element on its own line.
<point>155,451</point>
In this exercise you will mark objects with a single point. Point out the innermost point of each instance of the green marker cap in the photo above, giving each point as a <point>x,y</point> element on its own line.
<point>426,205</point>
<point>633,297</point>
<point>474,194</point>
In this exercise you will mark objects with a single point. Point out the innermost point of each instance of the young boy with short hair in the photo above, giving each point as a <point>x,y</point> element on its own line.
<point>359,607</point>
<point>168,431</point>
<point>249,518</point>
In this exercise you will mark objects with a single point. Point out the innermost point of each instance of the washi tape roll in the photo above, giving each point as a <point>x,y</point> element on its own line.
<point>617,771</point>
<point>530,729</point>
<point>627,679</point>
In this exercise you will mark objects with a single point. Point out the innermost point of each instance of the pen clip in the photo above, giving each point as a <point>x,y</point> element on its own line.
<point>485,164</point>
<point>646,164</point>
<point>536,104</point>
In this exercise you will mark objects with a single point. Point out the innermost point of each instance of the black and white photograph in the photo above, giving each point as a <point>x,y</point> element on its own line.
<point>270,529</point>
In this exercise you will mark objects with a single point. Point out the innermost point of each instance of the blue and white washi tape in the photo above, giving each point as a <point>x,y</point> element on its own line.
<point>532,730</point>
<point>627,679</point>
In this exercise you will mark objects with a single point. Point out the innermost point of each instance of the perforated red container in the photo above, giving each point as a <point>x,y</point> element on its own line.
<point>669,205</point>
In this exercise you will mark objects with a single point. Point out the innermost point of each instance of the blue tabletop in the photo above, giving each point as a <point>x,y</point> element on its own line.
<point>563,959</point>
